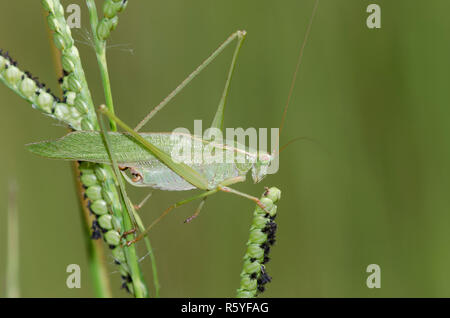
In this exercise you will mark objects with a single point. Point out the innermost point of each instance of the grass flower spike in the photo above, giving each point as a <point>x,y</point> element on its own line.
<point>262,237</point>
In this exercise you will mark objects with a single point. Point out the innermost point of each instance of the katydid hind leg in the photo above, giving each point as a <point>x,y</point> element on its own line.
<point>218,117</point>
<point>240,35</point>
<point>182,169</point>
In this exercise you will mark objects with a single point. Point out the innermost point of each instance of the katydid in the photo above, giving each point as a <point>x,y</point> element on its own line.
<point>147,154</point>
<point>147,169</point>
<point>152,166</point>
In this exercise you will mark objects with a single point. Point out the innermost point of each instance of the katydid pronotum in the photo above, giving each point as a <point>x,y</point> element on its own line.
<point>147,156</point>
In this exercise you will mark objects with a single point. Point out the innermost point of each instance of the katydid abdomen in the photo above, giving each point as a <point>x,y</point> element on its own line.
<point>163,178</point>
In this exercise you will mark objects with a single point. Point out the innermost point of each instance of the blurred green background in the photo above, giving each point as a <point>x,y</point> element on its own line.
<point>372,188</point>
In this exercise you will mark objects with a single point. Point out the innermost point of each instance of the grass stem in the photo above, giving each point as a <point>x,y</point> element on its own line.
<point>12,259</point>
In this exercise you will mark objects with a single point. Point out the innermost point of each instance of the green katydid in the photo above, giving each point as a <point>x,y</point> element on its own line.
<point>147,154</point>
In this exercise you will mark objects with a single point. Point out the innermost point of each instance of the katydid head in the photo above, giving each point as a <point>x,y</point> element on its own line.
<point>260,167</point>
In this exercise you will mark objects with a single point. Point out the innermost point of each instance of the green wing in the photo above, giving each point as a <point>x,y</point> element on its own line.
<point>89,146</point>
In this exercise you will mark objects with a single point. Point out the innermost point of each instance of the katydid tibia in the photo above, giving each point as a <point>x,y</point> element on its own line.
<point>147,154</point>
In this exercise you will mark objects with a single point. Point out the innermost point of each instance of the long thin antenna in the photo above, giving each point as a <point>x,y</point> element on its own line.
<point>294,140</point>
<point>299,62</point>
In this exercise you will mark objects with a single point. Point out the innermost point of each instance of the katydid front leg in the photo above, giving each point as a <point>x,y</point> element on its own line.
<point>137,207</point>
<point>197,211</point>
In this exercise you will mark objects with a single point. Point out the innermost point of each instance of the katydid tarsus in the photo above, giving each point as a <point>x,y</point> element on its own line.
<point>147,154</point>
